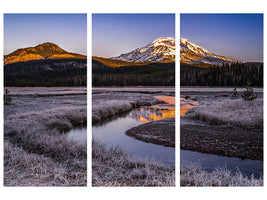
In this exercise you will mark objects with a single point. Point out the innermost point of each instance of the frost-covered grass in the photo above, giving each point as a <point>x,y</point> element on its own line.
<point>228,111</point>
<point>109,108</point>
<point>113,167</point>
<point>191,174</point>
<point>37,152</point>
<point>22,168</point>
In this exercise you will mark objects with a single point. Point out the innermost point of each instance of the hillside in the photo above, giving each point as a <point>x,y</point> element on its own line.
<point>117,63</point>
<point>50,72</point>
<point>40,52</point>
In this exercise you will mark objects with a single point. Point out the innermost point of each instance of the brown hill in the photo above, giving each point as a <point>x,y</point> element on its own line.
<point>42,51</point>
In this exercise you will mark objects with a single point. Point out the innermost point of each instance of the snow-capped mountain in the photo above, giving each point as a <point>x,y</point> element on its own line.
<point>160,50</point>
<point>191,53</point>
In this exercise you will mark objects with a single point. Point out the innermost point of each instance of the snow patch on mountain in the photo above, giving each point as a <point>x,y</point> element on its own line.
<point>191,53</point>
<point>160,50</point>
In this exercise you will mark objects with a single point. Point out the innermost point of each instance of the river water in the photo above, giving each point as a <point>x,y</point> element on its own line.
<point>112,132</point>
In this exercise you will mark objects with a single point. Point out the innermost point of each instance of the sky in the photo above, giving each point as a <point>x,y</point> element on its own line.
<point>236,36</point>
<point>69,31</point>
<point>114,34</point>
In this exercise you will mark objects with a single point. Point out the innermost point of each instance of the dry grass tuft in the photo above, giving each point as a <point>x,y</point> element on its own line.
<point>233,112</point>
<point>191,174</point>
<point>113,167</point>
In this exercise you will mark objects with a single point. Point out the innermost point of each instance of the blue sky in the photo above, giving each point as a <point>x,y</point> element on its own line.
<point>69,31</point>
<point>114,34</point>
<point>236,36</point>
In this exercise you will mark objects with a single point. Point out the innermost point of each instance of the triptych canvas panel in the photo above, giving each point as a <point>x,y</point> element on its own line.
<point>132,127</point>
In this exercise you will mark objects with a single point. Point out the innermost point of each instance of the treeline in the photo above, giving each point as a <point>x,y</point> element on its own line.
<point>48,73</point>
<point>237,74</point>
<point>154,74</point>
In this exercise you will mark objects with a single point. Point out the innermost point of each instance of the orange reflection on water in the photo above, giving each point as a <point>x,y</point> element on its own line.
<point>184,109</point>
<point>185,105</point>
<point>140,118</point>
<point>167,99</point>
<point>163,114</point>
<point>156,112</point>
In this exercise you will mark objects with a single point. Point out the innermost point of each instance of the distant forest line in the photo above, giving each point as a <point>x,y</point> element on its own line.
<point>73,72</point>
<point>153,74</point>
<point>46,73</point>
<point>237,74</point>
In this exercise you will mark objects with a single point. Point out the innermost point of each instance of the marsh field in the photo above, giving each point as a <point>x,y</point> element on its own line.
<point>133,136</point>
<point>39,149</point>
<point>221,137</point>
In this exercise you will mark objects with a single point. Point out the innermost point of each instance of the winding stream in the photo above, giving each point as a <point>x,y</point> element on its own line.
<point>113,132</point>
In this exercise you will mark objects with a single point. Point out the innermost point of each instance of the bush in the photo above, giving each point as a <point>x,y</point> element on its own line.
<point>235,94</point>
<point>7,98</point>
<point>249,94</point>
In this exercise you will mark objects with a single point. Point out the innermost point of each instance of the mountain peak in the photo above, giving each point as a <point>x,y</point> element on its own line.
<point>47,45</point>
<point>49,49</point>
<point>191,53</point>
<point>183,41</point>
<point>164,40</point>
<point>160,50</point>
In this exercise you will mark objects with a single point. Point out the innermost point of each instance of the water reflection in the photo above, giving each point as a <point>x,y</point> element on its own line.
<point>185,105</point>
<point>156,112</point>
<point>166,99</point>
<point>147,114</point>
<point>152,114</point>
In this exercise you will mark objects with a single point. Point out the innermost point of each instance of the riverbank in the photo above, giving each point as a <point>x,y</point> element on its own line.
<point>232,141</point>
<point>221,125</point>
<point>161,132</point>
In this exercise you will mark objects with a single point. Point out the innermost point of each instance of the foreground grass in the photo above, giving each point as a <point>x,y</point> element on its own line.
<point>113,167</point>
<point>37,153</point>
<point>233,112</point>
<point>192,175</point>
